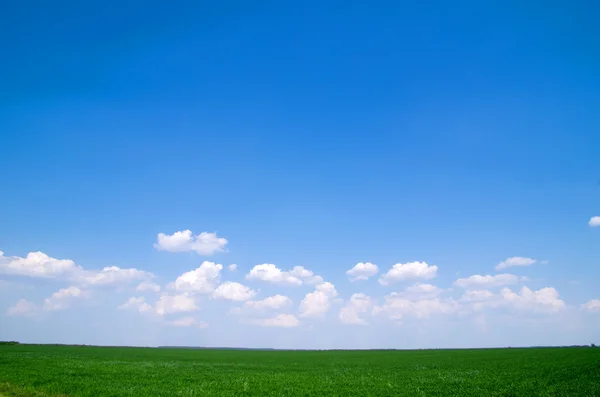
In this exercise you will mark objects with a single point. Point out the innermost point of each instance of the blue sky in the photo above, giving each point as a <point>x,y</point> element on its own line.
<point>431,141</point>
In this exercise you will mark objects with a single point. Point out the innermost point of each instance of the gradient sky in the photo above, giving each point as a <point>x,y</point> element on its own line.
<point>449,151</point>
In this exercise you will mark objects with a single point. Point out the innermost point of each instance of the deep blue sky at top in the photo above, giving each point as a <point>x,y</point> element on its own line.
<point>314,133</point>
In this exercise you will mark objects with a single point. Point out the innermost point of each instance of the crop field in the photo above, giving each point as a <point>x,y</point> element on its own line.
<point>47,370</point>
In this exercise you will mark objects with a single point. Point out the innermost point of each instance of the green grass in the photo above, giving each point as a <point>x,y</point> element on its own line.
<point>37,370</point>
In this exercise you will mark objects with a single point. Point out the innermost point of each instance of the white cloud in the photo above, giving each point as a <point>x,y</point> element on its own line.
<point>411,270</point>
<point>542,300</point>
<point>112,275</point>
<point>317,303</point>
<point>67,292</point>
<point>184,241</point>
<point>148,286</point>
<point>594,221</point>
<point>281,320</point>
<point>136,303</point>
<point>516,261</point>
<point>477,300</point>
<point>132,303</point>
<point>260,307</point>
<point>396,307</point>
<point>22,308</point>
<point>362,271</point>
<point>201,280</point>
<point>477,295</point>
<point>233,291</point>
<point>272,274</point>
<point>61,299</point>
<point>592,305</point>
<point>421,291</point>
<point>232,267</point>
<point>187,321</point>
<point>306,275</point>
<point>489,281</point>
<point>37,264</point>
<point>358,304</point>
<point>271,303</point>
<point>168,304</point>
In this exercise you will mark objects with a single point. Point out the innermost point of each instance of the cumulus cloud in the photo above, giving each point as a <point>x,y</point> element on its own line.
<point>232,267</point>
<point>184,241</point>
<point>488,281</point>
<point>67,292</point>
<point>592,305</point>
<point>272,274</point>
<point>421,291</point>
<point>274,302</point>
<point>307,276</point>
<point>396,307</point>
<point>132,303</point>
<point>168,304</point>
<point>148,286</point>
<point>362,271</point>
<point>136,303</point>
<point>516,261</point>
<point>281,320</point>
<point>37,264</point>
<point>61,299</point>
<point>187,321</point>
<point>542,300</point>
<point>254,312</point>
<point>315,304</point>
<point>359,303</point>
<point>112,275</point>
<point>479,299</point>
<point>406,271</point>
<point>255,308</point>
<point>594,221</point>
<point>233,291</point>
<point>22,308</point>
<point>202,280</point>
<point>477,295</point>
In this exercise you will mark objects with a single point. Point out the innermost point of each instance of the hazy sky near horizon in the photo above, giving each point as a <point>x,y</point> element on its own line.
<point>300,174</point>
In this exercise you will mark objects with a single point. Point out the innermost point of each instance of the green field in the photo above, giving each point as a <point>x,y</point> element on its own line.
<point>44,370</point>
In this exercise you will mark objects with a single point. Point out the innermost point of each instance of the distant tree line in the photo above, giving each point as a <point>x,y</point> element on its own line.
<point>6,343</point>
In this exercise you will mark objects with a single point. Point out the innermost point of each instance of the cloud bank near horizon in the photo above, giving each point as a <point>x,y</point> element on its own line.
<point>404,292</point>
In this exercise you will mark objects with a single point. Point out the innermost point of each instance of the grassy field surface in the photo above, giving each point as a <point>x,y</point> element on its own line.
<point>38,370</point>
